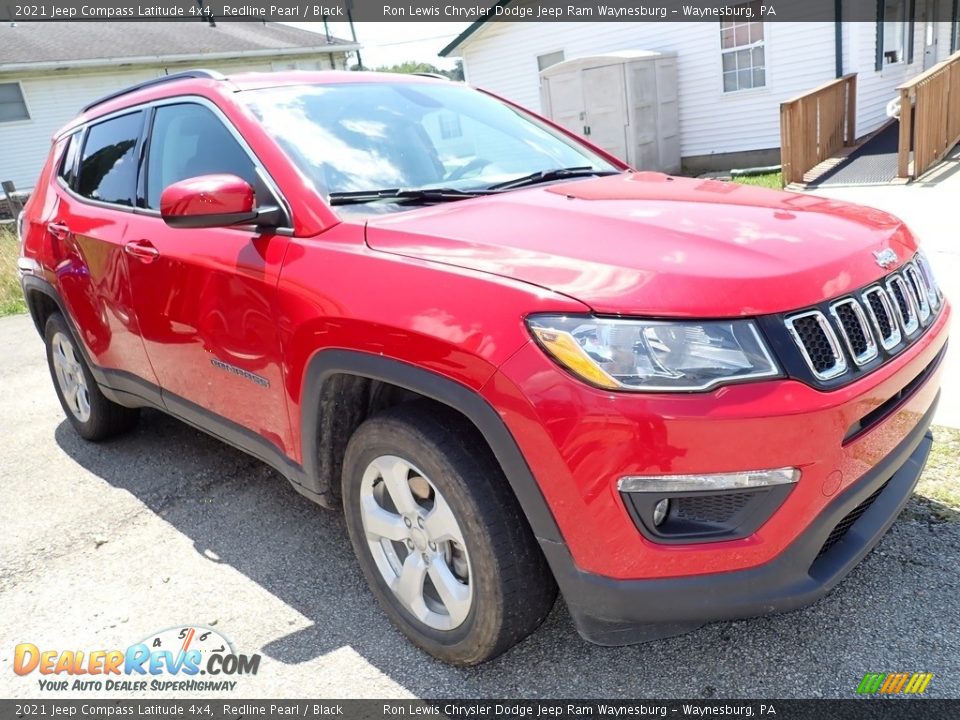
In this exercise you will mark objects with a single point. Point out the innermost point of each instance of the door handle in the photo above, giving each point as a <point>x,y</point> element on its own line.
<point>58,230</point>
<point>142,250</point>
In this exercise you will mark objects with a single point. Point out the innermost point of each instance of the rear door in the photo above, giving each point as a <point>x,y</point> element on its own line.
<point>96,190</point>
<point>206,298</point>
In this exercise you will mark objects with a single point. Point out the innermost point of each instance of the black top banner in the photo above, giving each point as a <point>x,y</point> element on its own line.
<point>463,10</point>
<point>263,709</point>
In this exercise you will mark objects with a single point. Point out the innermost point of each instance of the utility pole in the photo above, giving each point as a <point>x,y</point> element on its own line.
<point>353,31</point>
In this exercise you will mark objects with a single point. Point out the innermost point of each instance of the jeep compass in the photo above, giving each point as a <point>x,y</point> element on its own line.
<point>518,365</point>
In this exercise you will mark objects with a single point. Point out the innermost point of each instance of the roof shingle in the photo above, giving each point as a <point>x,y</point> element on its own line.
<point>44,42</point>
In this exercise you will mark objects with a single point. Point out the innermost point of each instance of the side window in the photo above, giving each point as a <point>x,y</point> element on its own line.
<point>108,164</point>
<point>189,140</point>
<point>68,162</point>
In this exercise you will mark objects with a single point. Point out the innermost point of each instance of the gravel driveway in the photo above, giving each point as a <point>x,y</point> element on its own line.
<point>105,544</point>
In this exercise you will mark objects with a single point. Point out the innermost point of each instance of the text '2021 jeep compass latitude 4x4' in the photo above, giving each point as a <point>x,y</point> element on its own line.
<point>516,363</point>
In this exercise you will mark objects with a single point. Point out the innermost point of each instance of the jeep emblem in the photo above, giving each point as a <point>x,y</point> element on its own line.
<point>885,258</point>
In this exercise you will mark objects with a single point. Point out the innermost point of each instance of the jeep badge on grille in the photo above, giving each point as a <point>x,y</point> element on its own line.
<point>885,258</point>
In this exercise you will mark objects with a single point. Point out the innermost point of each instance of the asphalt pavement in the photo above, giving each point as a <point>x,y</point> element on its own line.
<point>104,545</point>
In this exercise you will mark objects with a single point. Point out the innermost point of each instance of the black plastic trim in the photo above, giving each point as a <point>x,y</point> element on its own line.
<point>326,363</point>
<point>608,611</point>
<point>763,502</point>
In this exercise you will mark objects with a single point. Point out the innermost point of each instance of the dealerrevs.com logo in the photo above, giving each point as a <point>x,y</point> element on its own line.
<point>189,658</point>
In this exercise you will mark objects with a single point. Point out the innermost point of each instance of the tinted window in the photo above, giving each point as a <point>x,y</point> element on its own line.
<point>187,141</point>
<point>69,160</point>
<point>108,166</point>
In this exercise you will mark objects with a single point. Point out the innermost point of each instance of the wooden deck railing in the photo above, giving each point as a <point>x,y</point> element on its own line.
<point>815,125</point>
<point>929,117</point>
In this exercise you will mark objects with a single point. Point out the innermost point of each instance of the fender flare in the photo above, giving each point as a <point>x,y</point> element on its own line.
<point>326,363</point>
<point>31,284</point>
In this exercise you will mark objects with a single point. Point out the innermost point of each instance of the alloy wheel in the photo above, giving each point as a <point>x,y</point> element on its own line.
<point>70,377</point>
<point>416,542</point>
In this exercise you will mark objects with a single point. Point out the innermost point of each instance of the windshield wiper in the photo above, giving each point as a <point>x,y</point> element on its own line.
<point>423,195</point>
<point>554,174</point>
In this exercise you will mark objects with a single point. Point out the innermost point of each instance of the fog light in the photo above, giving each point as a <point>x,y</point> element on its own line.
<point>660,511</point>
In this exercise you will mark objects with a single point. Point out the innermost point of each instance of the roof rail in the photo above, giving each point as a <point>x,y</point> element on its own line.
<point>186,74</point>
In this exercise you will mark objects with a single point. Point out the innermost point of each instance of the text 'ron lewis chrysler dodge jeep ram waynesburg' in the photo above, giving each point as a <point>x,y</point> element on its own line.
<point>516,364</point>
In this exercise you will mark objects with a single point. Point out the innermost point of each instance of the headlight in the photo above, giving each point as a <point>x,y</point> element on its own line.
<point>655,355</point>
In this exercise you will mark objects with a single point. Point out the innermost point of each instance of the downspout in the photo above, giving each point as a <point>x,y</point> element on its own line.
<point>878,66</point>
<point>838,35</point>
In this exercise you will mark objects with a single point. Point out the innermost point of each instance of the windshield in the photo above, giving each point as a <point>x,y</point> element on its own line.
<point>355,137</point>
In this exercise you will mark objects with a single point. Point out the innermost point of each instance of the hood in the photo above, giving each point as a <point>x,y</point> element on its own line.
<point>650,244</point>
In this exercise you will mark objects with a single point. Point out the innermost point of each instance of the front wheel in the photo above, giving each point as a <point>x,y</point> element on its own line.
<point>440,536</point>
<point>92,415</point>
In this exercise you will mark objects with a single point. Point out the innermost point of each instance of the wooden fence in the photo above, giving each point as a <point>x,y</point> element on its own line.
<point>815,125</point>
<point>929,117</point>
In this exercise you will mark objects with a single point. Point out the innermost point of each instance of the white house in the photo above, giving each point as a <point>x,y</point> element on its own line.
<point>732,76</point>
<point>49,70</point>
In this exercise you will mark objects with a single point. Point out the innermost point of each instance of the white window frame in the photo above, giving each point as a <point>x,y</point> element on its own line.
<point>731,26</point>
<point>26,105</point>
<point>905,39</point>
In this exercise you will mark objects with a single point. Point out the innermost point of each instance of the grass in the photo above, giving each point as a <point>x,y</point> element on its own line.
<point>939,487</point>
<point>11,296</point>
<point>767,180</point>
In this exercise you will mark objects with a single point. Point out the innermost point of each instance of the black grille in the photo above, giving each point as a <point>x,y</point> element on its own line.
<point>901,300</point>
<point>852,327</point>
<point>872,324</point>
<point>711,508</point>
<point>816,343</point>
<point>884,321</point>
<point>844,525</point>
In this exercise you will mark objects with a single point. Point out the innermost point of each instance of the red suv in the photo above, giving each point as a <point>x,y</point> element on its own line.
<point>516,363</point>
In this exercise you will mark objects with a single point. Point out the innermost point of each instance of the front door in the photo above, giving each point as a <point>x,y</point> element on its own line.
<point>206,298</point>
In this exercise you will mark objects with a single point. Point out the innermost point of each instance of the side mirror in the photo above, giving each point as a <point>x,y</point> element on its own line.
<point>210,201</point>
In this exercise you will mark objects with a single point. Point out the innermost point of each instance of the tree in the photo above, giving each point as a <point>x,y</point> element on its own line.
<point>412,66</point>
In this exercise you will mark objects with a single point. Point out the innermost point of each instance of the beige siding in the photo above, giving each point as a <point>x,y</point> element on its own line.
<point>54,98</point>
<point>799,56</point>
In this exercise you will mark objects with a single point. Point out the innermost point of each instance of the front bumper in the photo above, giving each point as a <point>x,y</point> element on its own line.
<point>621,612</point>
<point>578,441</point>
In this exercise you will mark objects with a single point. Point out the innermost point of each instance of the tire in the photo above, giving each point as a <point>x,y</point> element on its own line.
<point>487,553</point>
<point>92,415</point>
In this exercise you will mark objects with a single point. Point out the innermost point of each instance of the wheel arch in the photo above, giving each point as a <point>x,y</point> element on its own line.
<point>42,301</point>
<point>333,373</point>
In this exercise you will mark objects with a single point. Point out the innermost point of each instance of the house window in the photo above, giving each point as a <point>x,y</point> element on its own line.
<point>545,61</point>
<point>12,105</point>
<point>742,50</point>
<point>894,34</point>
